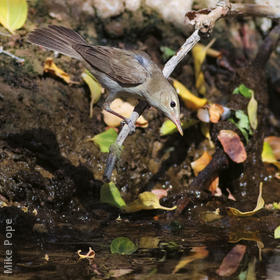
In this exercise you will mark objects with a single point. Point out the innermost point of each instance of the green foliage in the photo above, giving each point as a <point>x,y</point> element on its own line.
<point>105,139</point>
<point>277,233</point>
<point>243,90</point>
<point>243,124</point>
<point>167,52</point>
<point>110,194</point>
<point>122,246</point>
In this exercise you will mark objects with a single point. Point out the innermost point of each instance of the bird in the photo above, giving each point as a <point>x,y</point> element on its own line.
<point>124,73</point>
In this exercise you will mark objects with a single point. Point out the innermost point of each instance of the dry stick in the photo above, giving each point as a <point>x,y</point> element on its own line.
<point>142,105</point>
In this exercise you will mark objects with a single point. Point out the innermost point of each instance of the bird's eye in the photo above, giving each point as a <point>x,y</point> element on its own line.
<point>172,104</point>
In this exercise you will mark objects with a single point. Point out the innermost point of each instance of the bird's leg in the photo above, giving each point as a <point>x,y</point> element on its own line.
<point>107,107</point>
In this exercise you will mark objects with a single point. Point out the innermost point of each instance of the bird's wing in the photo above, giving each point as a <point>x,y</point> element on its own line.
<point>125,67</point>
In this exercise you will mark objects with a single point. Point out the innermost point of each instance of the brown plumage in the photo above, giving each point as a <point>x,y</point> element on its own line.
<point>122,72</point>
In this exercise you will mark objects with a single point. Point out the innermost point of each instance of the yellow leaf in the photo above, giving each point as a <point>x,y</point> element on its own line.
<point>252,109</point>
<point>95,89</point>
<point>259,206</point>
<point>168,127</point>
<point>199,164</point>
<point>199,54</point>
<point>145,201</point>
<point>13,14</point>
<point>268,155</point>
<point>50,67</point>
<point>190,100</point>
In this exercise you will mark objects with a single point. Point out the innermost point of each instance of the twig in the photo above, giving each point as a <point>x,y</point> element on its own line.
<point>21,60</point>
<point>113,155</point>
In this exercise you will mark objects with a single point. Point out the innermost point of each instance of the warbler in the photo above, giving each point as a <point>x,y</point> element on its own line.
<point>121,72</point>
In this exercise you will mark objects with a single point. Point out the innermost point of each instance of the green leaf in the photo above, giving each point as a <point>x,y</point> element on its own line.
<point>167,52</point>
<point>122,246</point>
<point>110,194</point>
<point>243,90</point>
<point>94,87</point>
<point>243,124</point>
<point>168,127</point>
<point>277,233</point>
<point>13,14</point>
<point>252,112</point>
<point>105,139</point>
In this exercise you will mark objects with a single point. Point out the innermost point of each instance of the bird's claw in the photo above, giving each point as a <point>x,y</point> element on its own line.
<point>130,124</point>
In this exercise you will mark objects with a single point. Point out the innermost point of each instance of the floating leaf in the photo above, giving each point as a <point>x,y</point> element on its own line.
<point>50,67</point>
<point>232,145</point>
<point>168,127</point>
<point>89,255</point>
<point>124,108</point>
<point>259,206</point>
<point>95,89</point>
<point>243,124</point>
<point>105,139</point>
<point>243,90</point>
<point>116,273</point>
<point>149,242</point>
<point>145,201</point>
<point>277,233</point>
<point>198,253</point>
<point>190,100</point>
<point>167,52</point>
<point>110,194</point>
<point>252,112</point>
<point>122,246</point>
<point>231,261</point>
<point>13,14</point>
<point>268,155</point>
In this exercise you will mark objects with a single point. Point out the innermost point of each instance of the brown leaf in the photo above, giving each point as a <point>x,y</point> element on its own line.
<point>232,145</point>
<point>231,261</point>
<point>215,112</point>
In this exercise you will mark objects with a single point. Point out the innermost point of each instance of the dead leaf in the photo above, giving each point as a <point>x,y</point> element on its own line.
<point>231,261</point>
<point>198,253</point>
<point>199,164</point>
<point>160,193</point>
<point>50,67</point>
<point>260,204</point>
<point>89,255</point>
<point>124,108</point>
<point>145,201</point>
<point>268,155</point>
<point>232,145</point>
<point>215,112</point>
<point>274,143</point>
<point>95,89</point>
<point>214,187</point>
<point>190,100</point>
<point>252,109</point>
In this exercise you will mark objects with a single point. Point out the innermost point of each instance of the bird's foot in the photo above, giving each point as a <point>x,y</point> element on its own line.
<point>130,124</point>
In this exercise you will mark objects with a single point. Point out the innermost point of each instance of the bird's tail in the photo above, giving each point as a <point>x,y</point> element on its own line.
<point>57,38</point>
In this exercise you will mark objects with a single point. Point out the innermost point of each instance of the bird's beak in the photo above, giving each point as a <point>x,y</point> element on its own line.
<point>178,124</point>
